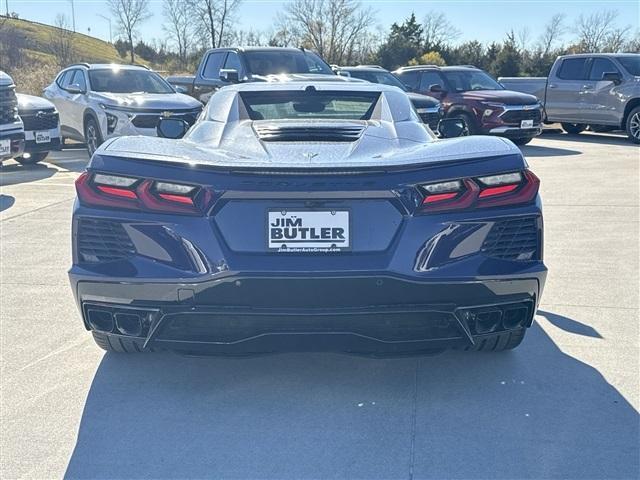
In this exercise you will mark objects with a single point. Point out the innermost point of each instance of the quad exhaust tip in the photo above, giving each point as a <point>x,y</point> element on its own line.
<point>129,324</point>
<point>101,320</point>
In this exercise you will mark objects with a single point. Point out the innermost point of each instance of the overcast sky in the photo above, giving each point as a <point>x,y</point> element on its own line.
<point>477,20</point>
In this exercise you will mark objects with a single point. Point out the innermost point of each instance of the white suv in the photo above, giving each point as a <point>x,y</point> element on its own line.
<point>99,101</point>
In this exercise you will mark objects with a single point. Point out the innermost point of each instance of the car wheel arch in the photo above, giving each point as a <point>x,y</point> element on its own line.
<point>631,104</point>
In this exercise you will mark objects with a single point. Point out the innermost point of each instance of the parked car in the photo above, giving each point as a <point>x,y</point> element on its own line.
<point>307,216</point>
<point>225,66</point>
<point>41,128</point>
<point>428,108</point>
<point>471,94</point>
<point>597,89</point>
<point>100,101</point>
<point>11,127</point>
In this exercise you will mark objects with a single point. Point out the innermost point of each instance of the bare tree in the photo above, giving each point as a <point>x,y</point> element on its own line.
<point>61,40</point>
<point>178,26</point>
<point>598,32</point>
<point>438,31</point>
<point>215,19</point>
<point>330,27</point>
<point>129,15</point>
<point>553,32</point>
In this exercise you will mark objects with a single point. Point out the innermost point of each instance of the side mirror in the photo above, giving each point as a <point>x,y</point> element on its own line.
<point>436,88</point>
<point>229,75</point>
<point>171,128</point>
<point>75,88</point>
<point>614,77</point>
<point>452,127</point>
<point>180,89</point>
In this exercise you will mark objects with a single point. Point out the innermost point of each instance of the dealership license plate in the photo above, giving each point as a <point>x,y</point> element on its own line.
<point>308,232</point>
<point>526,124</point>
<point>5,147</point>
<point>43,137</point>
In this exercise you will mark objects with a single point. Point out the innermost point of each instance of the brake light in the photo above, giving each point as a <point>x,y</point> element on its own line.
<point>503,189</point>
<point>141,194</point>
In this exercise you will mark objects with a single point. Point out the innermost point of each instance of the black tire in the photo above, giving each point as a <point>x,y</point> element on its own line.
<point>632,125</point>
<point>33,159</point>
<point>116,343</point>
<point>498,342</point>
<point>522,141</point>
<point>472,128</point>
<point>92,135</point>
<point>574,128</point>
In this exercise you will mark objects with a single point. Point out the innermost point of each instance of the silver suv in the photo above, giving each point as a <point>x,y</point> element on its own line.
<point>100,101</point>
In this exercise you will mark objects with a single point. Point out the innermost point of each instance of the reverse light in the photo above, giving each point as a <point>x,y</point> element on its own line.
<point>514,177</point>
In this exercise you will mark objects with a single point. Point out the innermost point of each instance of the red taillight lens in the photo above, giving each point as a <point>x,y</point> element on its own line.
<point>503,189</point>
<point>136,194</point>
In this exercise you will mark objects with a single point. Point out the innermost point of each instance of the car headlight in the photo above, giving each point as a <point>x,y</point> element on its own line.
<point>112,121</point>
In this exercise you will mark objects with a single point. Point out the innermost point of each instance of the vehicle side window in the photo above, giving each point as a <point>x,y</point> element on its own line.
<point>233,62</point>
<point>430,78</point>
<point>61,78</point>
<point>599,66</point>
<point>212,66</point>
<point>573,69</point>
<point>410,79</point>
<point>78,79</point>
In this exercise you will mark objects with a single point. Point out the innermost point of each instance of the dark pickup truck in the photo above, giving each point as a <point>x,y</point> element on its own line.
<point>224,66</point>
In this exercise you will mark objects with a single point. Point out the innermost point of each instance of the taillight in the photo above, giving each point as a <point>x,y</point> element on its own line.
<point>141,194</point>
<point>503,189</point>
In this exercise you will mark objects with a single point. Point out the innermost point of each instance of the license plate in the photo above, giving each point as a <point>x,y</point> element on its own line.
<point>526,124</point>
<point>5,147</point>
<point>308,232</point>
<point>43,137</point>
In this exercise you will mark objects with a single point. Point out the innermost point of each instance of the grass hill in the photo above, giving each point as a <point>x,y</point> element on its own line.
<point>27,52</point>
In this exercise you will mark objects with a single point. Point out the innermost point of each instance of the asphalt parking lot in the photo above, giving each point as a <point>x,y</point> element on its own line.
<point>563,405</point>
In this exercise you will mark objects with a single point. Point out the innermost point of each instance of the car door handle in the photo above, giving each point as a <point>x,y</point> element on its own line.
<point>552,85</point>
<point>587,87</point>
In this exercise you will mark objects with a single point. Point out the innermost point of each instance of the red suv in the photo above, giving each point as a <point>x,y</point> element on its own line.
<point>484,104</point>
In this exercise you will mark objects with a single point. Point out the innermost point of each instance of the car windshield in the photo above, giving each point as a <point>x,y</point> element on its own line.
<point>465,80</point>
<point>115,80</point>
<point>631,64</point>
<point>386,78</point>
<point>296,104</point>
<point>277,62</point>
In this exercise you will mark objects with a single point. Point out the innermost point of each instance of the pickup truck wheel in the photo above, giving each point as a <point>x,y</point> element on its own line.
<point>522,141</point>
<point>471,129</point>
<point>92,135</point>
<point>633,125</point>
<point>574,128</point>
<point>33,158</point>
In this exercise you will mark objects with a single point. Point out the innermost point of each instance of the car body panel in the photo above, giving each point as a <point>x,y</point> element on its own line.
<point>39,117</point>
<point>11,126</point>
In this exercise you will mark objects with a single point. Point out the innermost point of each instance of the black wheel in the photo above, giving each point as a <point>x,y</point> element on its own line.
<point>522,141</point>
<point>499,342</point>
<point>33,158</point>
<point>574,128</point>
<point>469,121</point>
<point>118,344</point>
<point>92,135</point>
<point>633,125</point>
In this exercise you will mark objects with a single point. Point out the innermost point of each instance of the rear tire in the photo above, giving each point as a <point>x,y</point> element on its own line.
<point>33,159</point>
<point>522,141</point>
<point>573,128</point>
<point>92,135</point>
<point>114,343</point>
<point>498,342</point>
<point>633,125</point>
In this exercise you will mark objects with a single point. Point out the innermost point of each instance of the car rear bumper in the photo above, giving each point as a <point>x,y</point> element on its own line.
<point>366,314</point>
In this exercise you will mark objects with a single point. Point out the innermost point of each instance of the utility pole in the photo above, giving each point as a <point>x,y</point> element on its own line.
<point>6,3</point>
<point>108,20</point>
<point>73,16</point>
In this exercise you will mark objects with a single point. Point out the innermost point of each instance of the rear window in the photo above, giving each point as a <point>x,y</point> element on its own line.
<point>315,104</point>
<point>278,61</point>
<point>572,69</point>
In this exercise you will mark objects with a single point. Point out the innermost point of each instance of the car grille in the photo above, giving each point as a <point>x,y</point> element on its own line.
<point>513,239</point>
<point>8,105</point>
<point>103,241</point>
<point>151,120</point>
<point>41,120</point>
<point>308,134</point>
<point>431,119</point>
<point>516,116</point>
